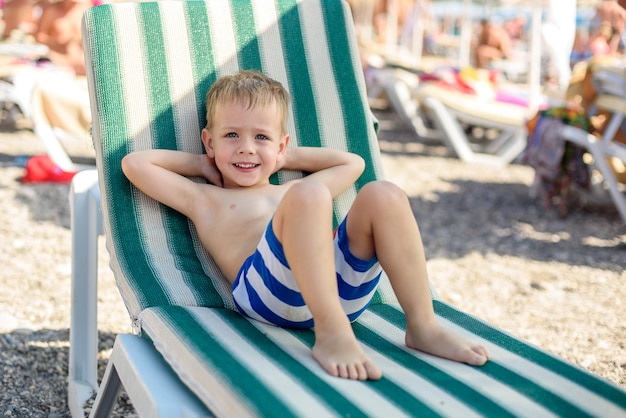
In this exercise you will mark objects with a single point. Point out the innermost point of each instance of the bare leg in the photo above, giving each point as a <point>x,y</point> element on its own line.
<point>381,222</point>
<point>303,223</point>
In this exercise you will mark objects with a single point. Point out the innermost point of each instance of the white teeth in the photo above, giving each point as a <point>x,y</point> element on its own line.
<point>245,165</point>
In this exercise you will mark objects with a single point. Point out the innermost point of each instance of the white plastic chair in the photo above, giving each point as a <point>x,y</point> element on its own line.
<point>602,148</point>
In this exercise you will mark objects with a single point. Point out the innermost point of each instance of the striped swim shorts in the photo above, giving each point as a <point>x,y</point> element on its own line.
<point>266,290</point>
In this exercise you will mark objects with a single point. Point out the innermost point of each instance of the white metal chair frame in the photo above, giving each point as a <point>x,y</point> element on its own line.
<point>601,148</point>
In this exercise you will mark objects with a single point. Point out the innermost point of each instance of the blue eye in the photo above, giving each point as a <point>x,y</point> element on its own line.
<point>231,135</point>
<point>262,137</point>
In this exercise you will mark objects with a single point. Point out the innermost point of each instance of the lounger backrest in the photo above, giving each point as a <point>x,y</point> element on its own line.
<point>150,66</point>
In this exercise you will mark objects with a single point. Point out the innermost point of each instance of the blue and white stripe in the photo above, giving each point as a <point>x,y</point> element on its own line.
<point>266,290</point>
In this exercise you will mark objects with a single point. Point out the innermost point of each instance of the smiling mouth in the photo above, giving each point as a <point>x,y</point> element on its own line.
<point>245,165</point>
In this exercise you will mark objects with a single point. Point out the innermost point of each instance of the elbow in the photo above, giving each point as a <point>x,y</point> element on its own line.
<point>129,166</point>
<point>126,164</point>
<point>359,165</point>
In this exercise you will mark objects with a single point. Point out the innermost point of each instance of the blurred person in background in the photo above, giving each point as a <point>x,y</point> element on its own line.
<point>20,16</point>
<point>613,13</point>
<point>59,29</point>
<point>493,43</point>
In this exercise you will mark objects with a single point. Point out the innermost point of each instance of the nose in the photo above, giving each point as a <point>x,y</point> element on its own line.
<point>246,146</point>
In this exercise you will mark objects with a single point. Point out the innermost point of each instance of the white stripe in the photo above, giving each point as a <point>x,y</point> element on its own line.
<point>320,66</point>
<point>162,260</point>
<point>128,294</point>
<point>134,87</point>
<point>224,45</point>
<point>266,369</point>
<point>432,395</point>
<point>180,77</point>
<point>352,277</point>
<point>327,103</point>
<point>535,372</point>
<point>278,270</point>
<point>357,392</point>
<point>182,91</point>
<point>351,306</point>
<point>133,78</point>
<point>272,58</point>
<point>240,294</point>
<point>496,391</point>
<point>209,385</point>
<point>280,308</point>
<point>273,62</point>
<point>356,63</point>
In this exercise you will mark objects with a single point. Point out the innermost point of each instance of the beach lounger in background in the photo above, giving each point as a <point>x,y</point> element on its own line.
<point>53,100</point>
<point>451,110</point>
<point>439,113</point>
<point>60,113</point>
<point>149,67</point>
<point>399,86</point>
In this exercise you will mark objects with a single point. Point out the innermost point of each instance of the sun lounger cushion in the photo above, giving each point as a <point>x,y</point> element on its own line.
<point>487,109</point>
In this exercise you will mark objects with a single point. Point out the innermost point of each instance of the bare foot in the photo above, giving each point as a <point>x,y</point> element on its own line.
<point>442,342</point>
<point>340,354</point>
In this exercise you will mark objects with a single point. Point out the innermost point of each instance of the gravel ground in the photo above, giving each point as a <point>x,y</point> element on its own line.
<point>492,251</point>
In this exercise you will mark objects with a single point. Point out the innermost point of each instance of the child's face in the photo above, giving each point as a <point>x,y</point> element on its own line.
<point>247,144</point>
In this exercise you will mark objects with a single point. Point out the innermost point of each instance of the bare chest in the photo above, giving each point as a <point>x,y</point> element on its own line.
<point>233,231</point>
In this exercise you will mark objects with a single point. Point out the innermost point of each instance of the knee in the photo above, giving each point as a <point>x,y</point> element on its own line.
<point>383,195</point>
<point>308,193</point>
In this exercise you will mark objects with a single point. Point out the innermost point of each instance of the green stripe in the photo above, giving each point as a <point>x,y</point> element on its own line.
<point>354,110</point>
<point>390,390</point>
<point>239,378</point>
<point>495,370</point>
<point>248,50</point>
<point>324,392</point>
<point>202,58</point>
<point>567,370</point>
<point>159,98</point>
<point>306,118</point>
<point>457,389</point>
<point>219,359</point>
<point>531,390</point>
<point>114,140</point>
<point>163,130</point>
<point>246,35</point>
<point>464,393</point>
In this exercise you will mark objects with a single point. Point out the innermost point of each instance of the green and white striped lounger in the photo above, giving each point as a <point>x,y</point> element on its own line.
<point>149,68</point>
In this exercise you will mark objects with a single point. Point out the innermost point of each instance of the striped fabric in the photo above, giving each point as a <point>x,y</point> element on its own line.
<point>149,66</point>
<point>245,368</point>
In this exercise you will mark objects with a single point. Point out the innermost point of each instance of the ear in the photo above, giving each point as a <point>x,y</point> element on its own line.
<point>207,140</point>
<point>282,147</point>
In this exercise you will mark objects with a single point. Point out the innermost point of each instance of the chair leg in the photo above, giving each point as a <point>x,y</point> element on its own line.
<point>454,136</point>
<point>86,220</point>
<point>456,140</point>
<point>618,197</point>
<point>151,384</point>
<point>107,394</point>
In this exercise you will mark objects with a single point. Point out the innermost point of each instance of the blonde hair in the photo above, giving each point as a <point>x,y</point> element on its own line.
<point>250,89</point>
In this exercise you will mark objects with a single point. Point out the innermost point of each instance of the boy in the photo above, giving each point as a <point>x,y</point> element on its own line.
<point>275,243</point>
